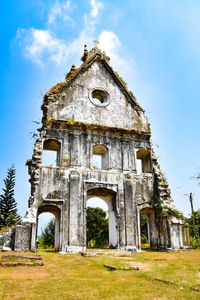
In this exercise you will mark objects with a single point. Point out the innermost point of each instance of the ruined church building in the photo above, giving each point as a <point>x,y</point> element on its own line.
<point>100,137</point>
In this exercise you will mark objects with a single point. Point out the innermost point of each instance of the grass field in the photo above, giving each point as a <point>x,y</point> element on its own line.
<point>75,277</point>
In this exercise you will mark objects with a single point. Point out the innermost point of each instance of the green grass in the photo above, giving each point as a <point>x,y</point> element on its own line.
<point>75,277</point>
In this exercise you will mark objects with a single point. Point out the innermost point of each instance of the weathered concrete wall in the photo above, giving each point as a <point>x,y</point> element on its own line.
<point>93,110</point>
<point>7,239</point>
<point>22,237</point>
<point>75,102</point>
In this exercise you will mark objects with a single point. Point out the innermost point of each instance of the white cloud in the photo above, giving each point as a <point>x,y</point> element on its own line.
<point>60,10</point>
<point>96,7</point>
<point>41,44</point>
<point>87,34</point>
<point>110,43</point>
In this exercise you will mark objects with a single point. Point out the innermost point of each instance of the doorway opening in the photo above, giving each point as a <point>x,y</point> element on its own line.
<point>101,206</point>
<point>149,225</point>
<point>48,228</point>
<point>144,231</point>
<point>97,223</point>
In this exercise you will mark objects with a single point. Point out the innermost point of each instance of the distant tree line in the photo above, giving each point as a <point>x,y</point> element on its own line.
<point>194,228</point>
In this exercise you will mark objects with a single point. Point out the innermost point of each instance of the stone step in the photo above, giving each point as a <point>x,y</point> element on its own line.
<point>113,253</point>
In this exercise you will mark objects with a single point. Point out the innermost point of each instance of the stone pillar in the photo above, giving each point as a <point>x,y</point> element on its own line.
<point>23,237</point>
<point>113,232</point>
<point>185,235</point>
<point>176,234</point>
<point>33,236</point>
<point>130,212</point>
<point>75,150</point>
<point>153,231</point>
<point>138,236</point>
<point>122,215</point>
<point>75,244</point>
<point>57,234</point>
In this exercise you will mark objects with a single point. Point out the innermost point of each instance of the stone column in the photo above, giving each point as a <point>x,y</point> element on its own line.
<point>57,234</point>
<point>74,213</point>
<point>130,211</point>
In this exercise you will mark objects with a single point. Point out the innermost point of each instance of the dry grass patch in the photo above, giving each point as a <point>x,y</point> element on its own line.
<point>75,277</point>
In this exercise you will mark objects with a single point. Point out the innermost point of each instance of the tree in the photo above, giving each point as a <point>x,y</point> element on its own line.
<point>48,235</point>
<point>97,226</point>
<point>8,205</point>
<point>194,219</point>
<point>143,228</point>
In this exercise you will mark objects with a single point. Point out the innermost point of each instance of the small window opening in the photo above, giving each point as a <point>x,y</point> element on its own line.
<point>143,161</point>
<point>100,157</point>
<point>51,153</point>
<point>97,161</point>
<point>139,166</point>
<point>49,158</point>
<point>99,97</point>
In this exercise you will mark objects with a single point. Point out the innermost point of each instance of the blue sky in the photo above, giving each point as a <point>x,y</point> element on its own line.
<point>154,45</point>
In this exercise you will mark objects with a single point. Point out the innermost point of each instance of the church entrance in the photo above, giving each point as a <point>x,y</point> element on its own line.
<point>105,199</point>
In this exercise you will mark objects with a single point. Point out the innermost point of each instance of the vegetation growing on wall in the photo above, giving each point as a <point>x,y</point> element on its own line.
<point>172,212</point>
<point>121,79</point>
<point>124,83</point>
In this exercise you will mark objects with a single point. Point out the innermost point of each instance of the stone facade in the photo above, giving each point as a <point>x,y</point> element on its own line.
<point>7,239</point>
<point>92,116</point>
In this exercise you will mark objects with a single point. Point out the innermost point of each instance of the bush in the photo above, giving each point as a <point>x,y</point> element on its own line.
<point>144,239</point>
<point>194,242</point>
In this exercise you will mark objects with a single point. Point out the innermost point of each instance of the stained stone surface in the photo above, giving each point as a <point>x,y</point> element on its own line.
<point>93,115</point>
<point>7,240</point>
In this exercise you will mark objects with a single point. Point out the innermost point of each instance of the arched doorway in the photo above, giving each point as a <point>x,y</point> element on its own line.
<point>45,231</point>
<point>144,231</point>
<point>109,197</point>
<point>55,211</point>
<point>149,215</point>
<point>97,223</point>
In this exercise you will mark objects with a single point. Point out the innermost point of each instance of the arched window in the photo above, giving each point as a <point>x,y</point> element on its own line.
<point>100,157</point>
<point>51,153</point>
<point>143,161</point>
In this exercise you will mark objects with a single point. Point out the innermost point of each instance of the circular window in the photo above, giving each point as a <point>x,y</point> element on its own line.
<point>99,97</point>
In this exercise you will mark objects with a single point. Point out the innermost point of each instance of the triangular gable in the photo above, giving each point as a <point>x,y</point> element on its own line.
<point>97,56</point>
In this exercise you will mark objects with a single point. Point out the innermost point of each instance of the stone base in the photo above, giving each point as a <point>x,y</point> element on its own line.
<point>22,237</point>
<point>74,249</point>
<point>131,248</point>
<point>7,240</point>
